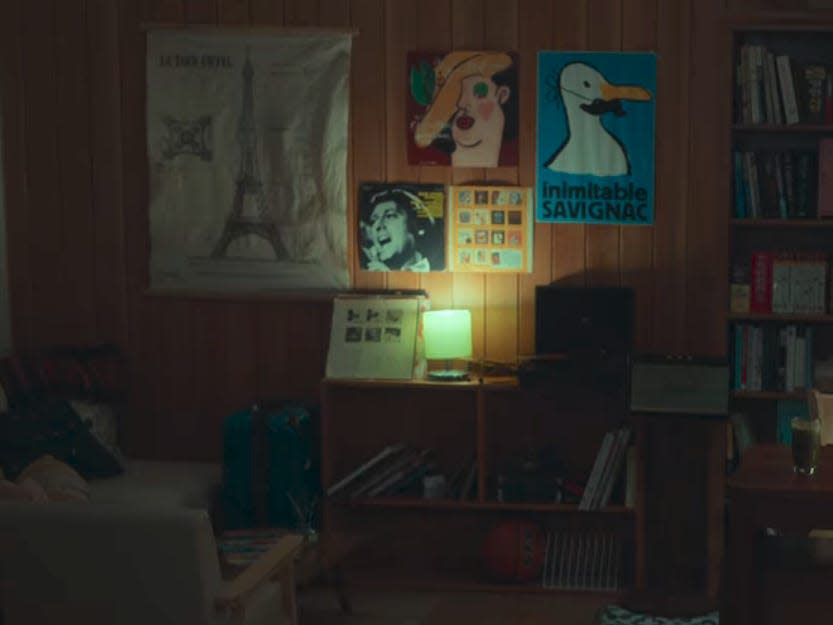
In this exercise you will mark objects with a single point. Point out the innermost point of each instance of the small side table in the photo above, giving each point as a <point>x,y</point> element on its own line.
<point>763,493</point>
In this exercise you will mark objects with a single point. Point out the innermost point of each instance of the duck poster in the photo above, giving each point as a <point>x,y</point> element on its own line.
<point>462,108</point>
<point>595,156</point>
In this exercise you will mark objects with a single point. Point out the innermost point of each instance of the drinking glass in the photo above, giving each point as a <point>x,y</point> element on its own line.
<point>806,440</point>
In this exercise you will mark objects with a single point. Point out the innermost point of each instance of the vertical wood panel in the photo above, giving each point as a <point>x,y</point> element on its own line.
<point>241,356</point>
<point>535,33</point>
<point>707,224</point>
<point>208,319</point>
<point>568,240</point>
<point>174,327</point>
<point>334,13</point>
<point>310,323</point>
<point>400,25</point>
<point>266,11</point>
<point>201,11</point>
<point>76,170</point>
<point>274,350</point>
<point>209,358</point>
<point>367,116</point>
<point>603,240</point>
<point>76,260</point>
<point>671,176</point>
<point>434,35</point>
<point>300,13</point>
<point>108,234</point>
<point>15,179</point>
<point>143,356</point>
<point>468,25</point>
<point>501,291</point>
<point>639,33</point>
<point>46,264</point>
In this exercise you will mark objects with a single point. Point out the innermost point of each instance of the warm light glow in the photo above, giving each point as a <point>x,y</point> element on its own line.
<point>447,334</point>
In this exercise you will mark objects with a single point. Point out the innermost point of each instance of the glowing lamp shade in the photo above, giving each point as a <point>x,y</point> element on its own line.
<point>447,335</point>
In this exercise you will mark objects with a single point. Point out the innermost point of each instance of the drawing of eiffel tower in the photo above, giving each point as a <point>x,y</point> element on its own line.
<point>249,213</point>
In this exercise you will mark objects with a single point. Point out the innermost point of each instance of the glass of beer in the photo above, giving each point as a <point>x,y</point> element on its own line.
<point>806,435</point>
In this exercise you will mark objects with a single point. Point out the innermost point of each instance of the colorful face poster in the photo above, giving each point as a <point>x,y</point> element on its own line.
<point>401,227</point>
<point>595,156</point>
<point>462,108</point>
<point>490,229</point>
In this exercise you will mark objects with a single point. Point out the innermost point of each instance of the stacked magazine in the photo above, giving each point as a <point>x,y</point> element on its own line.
<point>606,469</point>
<point>395,470</point>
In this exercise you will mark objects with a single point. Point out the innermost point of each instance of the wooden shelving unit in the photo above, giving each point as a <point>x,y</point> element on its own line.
<point>805,42</point>
<point>437,543</point>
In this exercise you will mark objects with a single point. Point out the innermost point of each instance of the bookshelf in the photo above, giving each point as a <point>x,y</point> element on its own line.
<point>419,542</point>
<point>780,321</point>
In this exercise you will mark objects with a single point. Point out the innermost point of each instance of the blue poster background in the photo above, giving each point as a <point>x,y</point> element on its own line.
<point>574,193</point>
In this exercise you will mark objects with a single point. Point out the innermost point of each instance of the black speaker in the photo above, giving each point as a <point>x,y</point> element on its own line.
<point>592,326</point>
<point>580,318</point>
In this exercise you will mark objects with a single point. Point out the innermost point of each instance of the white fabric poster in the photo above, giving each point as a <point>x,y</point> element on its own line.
<point>247,142</point>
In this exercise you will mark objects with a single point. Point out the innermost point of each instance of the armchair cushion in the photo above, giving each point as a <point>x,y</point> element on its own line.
<point>158,482</point>
<point>45,425</point>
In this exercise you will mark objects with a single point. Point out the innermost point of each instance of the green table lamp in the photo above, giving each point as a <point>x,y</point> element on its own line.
<point>447,335</point>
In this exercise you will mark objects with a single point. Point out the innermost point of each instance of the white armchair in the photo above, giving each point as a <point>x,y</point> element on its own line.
<point>119,564</point>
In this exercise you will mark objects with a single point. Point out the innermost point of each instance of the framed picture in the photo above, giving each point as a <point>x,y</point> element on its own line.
<point>377,337</point>
<point>401,227</point>
<point>595,127</point>
<point>462,108</point>
<point>248,182</point>
<point>490,229</point>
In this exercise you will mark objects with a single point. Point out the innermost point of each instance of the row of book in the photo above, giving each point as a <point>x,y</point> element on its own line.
<point>780,184</point>
<point>775,88</point>
<point>583,559</point>
<point>395,470</point>
<point>606,469</point>
<point>772,357</point>
<point>781,282</point>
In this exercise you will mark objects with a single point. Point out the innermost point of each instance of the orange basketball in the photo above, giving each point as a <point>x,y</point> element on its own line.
<point>514,551</point>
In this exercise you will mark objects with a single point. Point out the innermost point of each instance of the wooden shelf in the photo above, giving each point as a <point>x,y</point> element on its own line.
<point>452,505</point>
<point>795,129</point>
<point>767,395</point>
<point>791,318</point>
<point>493,421</point>
<point>782,223</point>
<point>487,383</point>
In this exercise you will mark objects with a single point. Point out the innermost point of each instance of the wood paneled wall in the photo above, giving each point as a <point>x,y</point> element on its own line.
<point>76,185</point>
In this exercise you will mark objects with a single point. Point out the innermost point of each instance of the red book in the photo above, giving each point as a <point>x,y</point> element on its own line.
<point>760,292</point>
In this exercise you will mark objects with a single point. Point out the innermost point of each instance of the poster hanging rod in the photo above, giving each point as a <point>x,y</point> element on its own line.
<point>251,30</point>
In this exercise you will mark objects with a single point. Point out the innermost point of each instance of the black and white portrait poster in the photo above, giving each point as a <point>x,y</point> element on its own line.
<point>401,227</point>
<point>247,149</point>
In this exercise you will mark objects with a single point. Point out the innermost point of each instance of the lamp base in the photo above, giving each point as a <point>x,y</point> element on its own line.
<point>448,375</point>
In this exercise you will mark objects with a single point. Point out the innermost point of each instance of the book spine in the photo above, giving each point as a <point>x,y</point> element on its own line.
<point>824,188</point>
<point>785,77</point>
<point>761,282</point>
<point>595,473</point>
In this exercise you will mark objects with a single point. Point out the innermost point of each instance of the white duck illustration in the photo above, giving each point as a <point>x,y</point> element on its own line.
<point>589,147</point>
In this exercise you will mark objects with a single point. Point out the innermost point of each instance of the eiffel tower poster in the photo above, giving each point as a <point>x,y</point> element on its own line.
<point>236,151</point>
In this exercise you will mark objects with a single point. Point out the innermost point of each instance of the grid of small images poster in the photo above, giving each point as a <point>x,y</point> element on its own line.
<point>373,337</point>
<point>490,229</point>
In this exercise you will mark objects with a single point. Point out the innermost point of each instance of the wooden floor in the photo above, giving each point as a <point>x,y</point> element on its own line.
<point>318,606</point>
